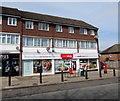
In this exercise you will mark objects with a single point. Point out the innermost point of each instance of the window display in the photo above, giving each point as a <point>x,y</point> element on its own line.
<point>46,66</point>
<point>62,65</point>
<point>88,63</point>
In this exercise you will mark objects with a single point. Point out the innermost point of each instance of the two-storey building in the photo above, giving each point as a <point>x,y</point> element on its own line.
<point>28,40</point>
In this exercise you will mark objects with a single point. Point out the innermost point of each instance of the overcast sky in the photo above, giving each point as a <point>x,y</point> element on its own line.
<point>103,15</point>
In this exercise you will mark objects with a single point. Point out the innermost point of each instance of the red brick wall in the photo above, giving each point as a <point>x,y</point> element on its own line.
<point>8,28</point>
<point>115,57</point>
<point>51,33</point>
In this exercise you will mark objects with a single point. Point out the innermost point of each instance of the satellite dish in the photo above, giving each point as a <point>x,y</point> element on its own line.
<point>47,48</point>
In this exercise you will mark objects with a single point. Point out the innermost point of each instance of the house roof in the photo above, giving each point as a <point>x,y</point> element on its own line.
<point>47,18</point>
<point>113,49</point>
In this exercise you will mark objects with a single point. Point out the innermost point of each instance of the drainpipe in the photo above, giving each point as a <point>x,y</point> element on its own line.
<point>20,56</point>
<point>96,38</point>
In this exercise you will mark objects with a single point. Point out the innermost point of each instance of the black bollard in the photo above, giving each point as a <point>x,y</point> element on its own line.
<point>9,74</point>
<point>86,74</point>
<point>41,74</point>
<point>100,73</point>
<point>62,79</point>
<point>114,72</point>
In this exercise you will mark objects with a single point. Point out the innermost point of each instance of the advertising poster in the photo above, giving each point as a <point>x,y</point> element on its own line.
<point>46,66</point>
<point>61,65</point>
<point>89,64</point>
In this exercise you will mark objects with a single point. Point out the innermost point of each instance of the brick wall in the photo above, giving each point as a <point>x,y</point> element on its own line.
<point>51,33</point>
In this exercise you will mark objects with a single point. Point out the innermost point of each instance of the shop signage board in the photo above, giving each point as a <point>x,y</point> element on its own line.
<point>66,56</point>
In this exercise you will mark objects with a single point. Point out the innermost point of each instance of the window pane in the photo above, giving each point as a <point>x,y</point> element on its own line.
<point>59,43</point>
<point>44,42</point>
<point>29,41</point>
<point>12,39</point>
<point>93,45</point>
<point>64,43</point>
<point>3,38</point>
<point>83,44</point>
<point>70,29</point>
<point>10,21</point>
<point>71,44</point>
<point>14,21</point>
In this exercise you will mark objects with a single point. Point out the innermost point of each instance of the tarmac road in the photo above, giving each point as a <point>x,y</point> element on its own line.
<point>97,89</point>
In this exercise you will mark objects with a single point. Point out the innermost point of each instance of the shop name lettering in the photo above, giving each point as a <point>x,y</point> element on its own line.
<point>38,56</point>
<point>67,56</point>
<point>4,57</point>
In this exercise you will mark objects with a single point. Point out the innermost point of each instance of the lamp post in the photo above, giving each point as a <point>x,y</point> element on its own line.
<point>96,38</point>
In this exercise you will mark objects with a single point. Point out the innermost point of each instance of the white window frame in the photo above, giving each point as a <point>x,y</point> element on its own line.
<point>30,25</point>
<point>12,21</point>
<point>71,29</point>
<point>92,32</point>
<point>84,31</point>
<point>59,28</point>
<point>0,19</point>
<point>10,37</point>
<point>43,26</point>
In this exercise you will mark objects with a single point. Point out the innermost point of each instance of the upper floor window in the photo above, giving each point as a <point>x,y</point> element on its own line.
<point>87,44</point>
<point>12,21</point>
<point>92,32</point>
<point>65,43</point>
<point>43,26</point>
<point>83,31</point>
<point>58,28</point>
<point>0,19</point>
<point>29,24</point>
<point>71,29</point>
<point>41,42</point>
<point>9,39</point>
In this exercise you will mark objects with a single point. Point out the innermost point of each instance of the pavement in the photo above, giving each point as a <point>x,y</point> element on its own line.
<point>53,79</point>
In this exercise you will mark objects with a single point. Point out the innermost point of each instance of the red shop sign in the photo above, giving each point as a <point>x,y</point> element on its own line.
<point>66,56</point>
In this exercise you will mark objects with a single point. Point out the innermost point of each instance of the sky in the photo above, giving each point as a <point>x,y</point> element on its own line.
<point>103,15</point>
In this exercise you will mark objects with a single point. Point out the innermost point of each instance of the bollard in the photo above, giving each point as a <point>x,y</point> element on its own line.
<point>40,74</point>
<point>9,74</point>
<point>86,74</point>
<point>62,79</point>
<point>100,73</point>
<point>40,77</point>
<point>114,72</point>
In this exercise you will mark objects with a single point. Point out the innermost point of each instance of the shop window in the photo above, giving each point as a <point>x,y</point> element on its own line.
<point>46,66</point>
<point>62,65</point>
<point>88,63</point>
<point>92,63</point>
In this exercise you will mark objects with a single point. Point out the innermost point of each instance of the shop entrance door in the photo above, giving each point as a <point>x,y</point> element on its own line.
<point>73,64</point>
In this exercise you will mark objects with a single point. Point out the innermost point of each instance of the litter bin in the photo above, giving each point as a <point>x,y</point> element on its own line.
<point>81,72</point>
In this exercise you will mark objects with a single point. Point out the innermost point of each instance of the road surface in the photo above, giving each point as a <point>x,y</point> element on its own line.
<point>98,89</point>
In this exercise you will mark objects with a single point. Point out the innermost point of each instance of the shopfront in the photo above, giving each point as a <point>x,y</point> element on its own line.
<point>53,63</point>
<point>10,62</point>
